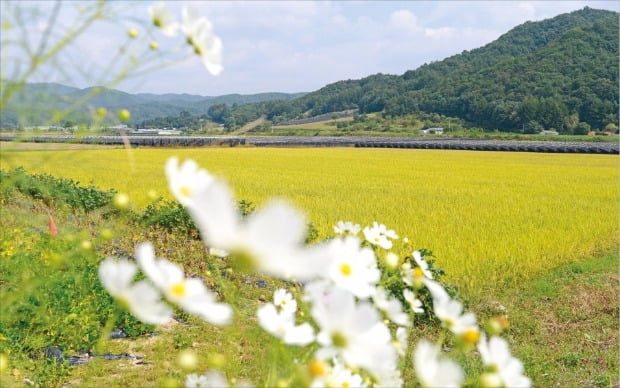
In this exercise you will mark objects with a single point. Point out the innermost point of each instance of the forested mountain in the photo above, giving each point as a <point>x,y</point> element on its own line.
<point>35,103</point>
<point>559,73</point>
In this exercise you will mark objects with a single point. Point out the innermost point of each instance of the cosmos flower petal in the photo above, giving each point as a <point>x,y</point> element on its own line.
<point>116,275</point>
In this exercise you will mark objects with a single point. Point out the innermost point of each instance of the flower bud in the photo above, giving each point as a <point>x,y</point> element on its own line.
<point>101,112</point>
<point>392,259</point>
<point>124,115</point>
<point>106,234</point>
<point>4,362</point>
<point>86,245</point>
<point>187,360</point>
<point>497,325</point>
<point>133,33</point>
<point>121,200</point>
<point>490,380</point>
<point>153,45</point>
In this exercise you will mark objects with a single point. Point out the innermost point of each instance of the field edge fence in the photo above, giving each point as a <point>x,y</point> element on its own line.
<point>323,141</point>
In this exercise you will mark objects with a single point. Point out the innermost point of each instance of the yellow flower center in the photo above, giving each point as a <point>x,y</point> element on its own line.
<point>283,302</point>
<point>418,273</point>
<point>345,384</point>
<point>123,301</point>
<point>178,290</point>
<point>185,191</point>
<point>471,336</point>
<point>157,22</point>
<point>345,269</point>
<point>316,368</point>
<point>339,340</point>
<point>376,239</point>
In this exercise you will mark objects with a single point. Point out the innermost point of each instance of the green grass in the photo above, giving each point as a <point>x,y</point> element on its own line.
<point>491,218</point>
<point>564,324</point>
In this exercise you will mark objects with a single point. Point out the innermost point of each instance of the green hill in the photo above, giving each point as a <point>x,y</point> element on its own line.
<point>559,73</point>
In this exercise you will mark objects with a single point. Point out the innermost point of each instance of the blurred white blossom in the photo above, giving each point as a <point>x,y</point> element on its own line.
<point>186,180</point>
<point>450,311</point>
<point>211,379</point>
<point>380,235</point>
<point>281,324</point>
<point>503,367</point>
<point>347,227</point>
<point>285,301</point>
<point>163,19</point>
<point>354,332</point>
<point>391,307</point>
<point>419,260</point>
<point>199,34</point>
<point>433,371</point>
<point>191,294</point>
<point>142,299</point>
<point>353,268</point>
<point>414,303</point>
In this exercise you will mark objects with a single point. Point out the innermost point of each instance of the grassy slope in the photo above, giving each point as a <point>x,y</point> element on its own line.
<point>564,325</point>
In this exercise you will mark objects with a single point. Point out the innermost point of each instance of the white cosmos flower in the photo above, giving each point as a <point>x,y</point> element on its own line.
<point>419,260</point>
<point>401,341</point>
<point>415,303</point>
<point>281,324</point>
<point>346,228</point>
<point>450,311</point>
<point>432,371</point>
<point>186,180</point>
<point>285,301</point>
<point>163,19</point>
<point>379,235</point>
<point>206,44</point>
<point>191,294</point>
<point>218,252</point>
<point>506,369</point>
<point>354,332</point>
<point>343,377</point>
<point>353,268</point>
<point>211,379</point>
<point>272,237</point>
<point>391,307</point>
<point>142,300</point>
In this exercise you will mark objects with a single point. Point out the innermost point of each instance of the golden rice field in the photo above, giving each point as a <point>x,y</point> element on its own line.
<point>491,218</point>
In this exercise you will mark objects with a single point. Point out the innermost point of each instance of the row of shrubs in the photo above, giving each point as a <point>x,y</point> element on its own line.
<point>166,214</point>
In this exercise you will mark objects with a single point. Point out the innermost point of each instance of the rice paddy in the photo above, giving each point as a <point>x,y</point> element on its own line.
<point>492,219</point>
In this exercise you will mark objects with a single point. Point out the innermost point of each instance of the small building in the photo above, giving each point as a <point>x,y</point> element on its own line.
<point>546,132</point>
<point>437,131</point>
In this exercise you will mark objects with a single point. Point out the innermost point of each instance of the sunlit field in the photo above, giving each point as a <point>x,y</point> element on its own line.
<point>492,219</point>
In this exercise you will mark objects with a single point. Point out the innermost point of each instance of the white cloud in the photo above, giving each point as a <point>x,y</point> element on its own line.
<point>440,33</point>
<point>301,46</point>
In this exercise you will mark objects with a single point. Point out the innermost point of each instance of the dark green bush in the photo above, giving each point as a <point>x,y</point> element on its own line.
<point>52,190</point>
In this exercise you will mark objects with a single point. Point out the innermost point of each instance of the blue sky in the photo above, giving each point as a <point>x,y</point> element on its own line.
<point>290,46</point>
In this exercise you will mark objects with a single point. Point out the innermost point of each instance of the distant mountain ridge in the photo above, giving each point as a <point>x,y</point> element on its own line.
<point>43,98</point>
<point>559,73</point>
